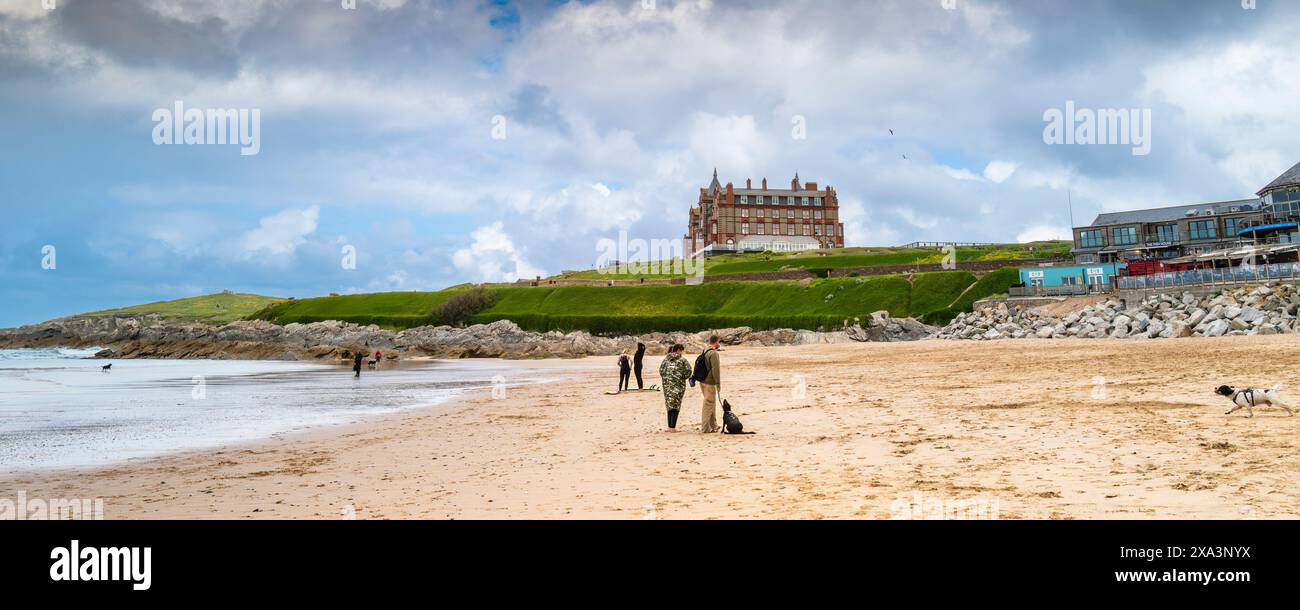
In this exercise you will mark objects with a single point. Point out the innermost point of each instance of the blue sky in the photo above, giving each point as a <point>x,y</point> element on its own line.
<point>377,129</point>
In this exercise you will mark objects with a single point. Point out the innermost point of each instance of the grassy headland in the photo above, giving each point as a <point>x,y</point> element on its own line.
<point>824,303</point>
<point>213,308</point>
<point>632,309</point>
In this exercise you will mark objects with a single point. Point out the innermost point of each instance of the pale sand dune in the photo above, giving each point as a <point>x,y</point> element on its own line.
<point>1019,422</point>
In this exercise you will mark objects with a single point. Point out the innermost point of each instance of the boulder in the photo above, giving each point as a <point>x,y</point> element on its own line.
<point>1217,328</point>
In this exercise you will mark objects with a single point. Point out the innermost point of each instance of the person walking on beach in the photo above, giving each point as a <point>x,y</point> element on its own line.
<point>624,371</point>
<point>673,373</point>
<point>710,386</point>
<point>356,365</point>
<point>637,362</point>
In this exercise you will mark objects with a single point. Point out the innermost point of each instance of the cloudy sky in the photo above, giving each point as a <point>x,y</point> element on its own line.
<point>454,141</point>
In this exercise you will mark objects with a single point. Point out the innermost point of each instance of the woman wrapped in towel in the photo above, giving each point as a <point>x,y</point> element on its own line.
<point>673,373</point>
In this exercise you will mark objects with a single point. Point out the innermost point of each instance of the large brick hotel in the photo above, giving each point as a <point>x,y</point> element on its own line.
<point>728,219</point>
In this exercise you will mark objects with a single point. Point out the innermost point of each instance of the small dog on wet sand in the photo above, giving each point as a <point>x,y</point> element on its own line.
<point>1251,398</point>
<point>107,367</point>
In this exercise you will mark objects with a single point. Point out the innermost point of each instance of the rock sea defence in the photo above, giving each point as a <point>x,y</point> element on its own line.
<point>1248,310</point>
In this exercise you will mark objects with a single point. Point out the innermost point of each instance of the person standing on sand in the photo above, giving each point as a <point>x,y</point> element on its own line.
<point>673,374</point>
<point>356,365</point>
<point>711,387</point>
<point>624,370</point>
<point>637,363</point>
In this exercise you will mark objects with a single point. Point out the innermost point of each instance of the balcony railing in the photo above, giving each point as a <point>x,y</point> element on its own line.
<point>1208,277</point>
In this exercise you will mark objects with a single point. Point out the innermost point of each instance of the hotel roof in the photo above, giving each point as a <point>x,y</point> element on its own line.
<point>1290,177</point>
<point>1177,212</point>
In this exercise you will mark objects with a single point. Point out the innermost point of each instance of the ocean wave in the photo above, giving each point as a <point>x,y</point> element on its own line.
<point>48,353</point>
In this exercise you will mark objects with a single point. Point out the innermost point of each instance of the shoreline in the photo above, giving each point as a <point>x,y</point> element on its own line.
<point>880,423</point>
<point>516,374</point>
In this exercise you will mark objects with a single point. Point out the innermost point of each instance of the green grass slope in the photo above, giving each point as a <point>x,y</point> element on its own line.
<point>387,309</point>
<point>995,283</point>
<point>635,309</point>
<point>212,308</point>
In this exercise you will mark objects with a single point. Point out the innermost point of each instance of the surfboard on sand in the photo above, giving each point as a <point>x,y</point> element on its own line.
<point>649,389</point>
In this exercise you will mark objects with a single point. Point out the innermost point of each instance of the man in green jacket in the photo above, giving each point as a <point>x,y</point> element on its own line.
<point>711,386</point>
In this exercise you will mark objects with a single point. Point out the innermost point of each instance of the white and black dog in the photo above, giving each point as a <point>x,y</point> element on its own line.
<point>1251,398</point>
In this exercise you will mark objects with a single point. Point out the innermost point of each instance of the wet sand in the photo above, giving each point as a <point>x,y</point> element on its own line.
<point>1062,429</point>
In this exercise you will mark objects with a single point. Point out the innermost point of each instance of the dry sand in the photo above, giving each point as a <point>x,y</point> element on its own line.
<point>1086,429</point>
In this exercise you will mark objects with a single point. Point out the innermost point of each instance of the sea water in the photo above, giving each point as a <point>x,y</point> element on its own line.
<point>58,408</point>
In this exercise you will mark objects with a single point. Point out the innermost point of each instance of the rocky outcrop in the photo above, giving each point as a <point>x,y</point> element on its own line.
<point>155,337</point>
<point>1250,310</point>
<point>882,328</point>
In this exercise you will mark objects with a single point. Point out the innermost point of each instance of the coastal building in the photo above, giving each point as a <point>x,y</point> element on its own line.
<point>1071,278</point>
<point>1188,234</point>
<point>730,219</point>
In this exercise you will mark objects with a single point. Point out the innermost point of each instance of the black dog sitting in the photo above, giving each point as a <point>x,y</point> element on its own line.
<point>730,423</point>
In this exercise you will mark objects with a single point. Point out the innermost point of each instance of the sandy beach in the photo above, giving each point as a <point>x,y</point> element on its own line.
<point>1060,429</point>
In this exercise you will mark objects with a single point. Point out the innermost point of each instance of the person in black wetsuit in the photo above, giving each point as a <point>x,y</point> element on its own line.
<point>356,365</point>
<point>637,363</point>
<point>624,371</point>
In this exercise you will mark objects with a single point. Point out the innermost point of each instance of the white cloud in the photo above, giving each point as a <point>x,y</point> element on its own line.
<point>493,257</point>
<point>999,171</point>
<point>961,174</point>
<point>730,142</point>
<point>1040,232</point>
<point>917,219</point>
<point>282,233</point>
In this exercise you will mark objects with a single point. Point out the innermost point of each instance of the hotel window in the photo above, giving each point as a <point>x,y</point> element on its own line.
<point>744,199</point>
<point>1091,239</point>
<point>744,212</point>
<point>1167,233</point>
<point>830,229</point>
<point>805,231</point>
<point>803,201</point>
<point>817,230</point>
<point>780,200</point>
<point>789,212</point>
<point>1123,236</point>
<point>759,228</point>
<point>840,230</point>
<point>1230,225</point>
<point>715,228</point>
<point>817,201</point>
<point>789,229</point>
<point>805,214</point>
<point>817,214</point>
<point>1202,229</point>
<point>744,228</point>
<point>760,212</point>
